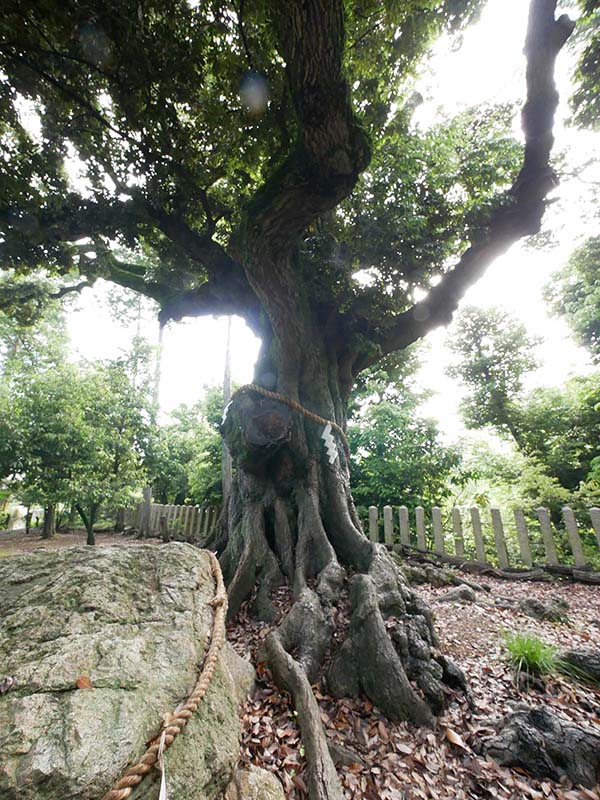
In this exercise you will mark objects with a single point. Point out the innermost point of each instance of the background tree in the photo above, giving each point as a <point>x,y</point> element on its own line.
<point>495,354</point>
<point>561,428</point>
<point>186,459</point>
<point>555,428</point>
<point>30,345</point>
<point>73,436</point>
<point>110,466</point>
<point>228,145</point>
<point>586,99</point>
<point>397,456</point>
<point>574,293</point>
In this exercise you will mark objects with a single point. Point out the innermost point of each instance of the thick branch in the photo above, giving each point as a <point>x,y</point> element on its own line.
<point>522,215</point>
<point>225,292</point>
<point>65,290</point>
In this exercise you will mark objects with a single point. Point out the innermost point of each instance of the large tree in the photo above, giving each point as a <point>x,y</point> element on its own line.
<point>259,160</point>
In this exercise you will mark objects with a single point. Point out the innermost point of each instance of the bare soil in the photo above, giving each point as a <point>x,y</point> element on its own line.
<point>15,542</point>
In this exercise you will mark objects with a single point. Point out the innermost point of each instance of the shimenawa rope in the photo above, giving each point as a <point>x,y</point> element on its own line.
<point>253,387</point>
<point>175,721</point>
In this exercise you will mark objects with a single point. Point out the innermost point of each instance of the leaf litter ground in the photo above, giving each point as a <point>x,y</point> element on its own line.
<point>398,761</point>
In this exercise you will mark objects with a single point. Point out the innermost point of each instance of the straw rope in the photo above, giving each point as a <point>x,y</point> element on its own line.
<point>253,387</point>
<point>175,721</point>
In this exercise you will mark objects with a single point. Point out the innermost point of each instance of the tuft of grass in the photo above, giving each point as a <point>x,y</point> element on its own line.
<point>533,658</point>
<point>530,655</point>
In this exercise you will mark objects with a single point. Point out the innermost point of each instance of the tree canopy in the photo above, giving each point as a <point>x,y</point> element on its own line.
<point>183,150</point>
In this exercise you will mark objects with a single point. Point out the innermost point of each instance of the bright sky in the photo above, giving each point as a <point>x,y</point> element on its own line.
<point>488,67</point>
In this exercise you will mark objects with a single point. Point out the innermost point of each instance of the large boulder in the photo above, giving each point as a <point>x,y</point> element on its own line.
<point>135,620</point>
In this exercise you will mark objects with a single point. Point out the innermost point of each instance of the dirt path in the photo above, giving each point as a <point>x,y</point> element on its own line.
<point>14,542</point>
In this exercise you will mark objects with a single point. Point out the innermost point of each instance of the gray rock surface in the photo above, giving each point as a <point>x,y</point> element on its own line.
<point>462,594</point>
<point>552,610</point>
<point>254,783</point>
<point>135,620</point>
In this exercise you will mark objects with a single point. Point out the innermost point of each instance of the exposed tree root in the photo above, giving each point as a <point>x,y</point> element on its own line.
<point>387,649</point>
<point>323,781</point>
<point>547,746</point>
<point>354,621</point>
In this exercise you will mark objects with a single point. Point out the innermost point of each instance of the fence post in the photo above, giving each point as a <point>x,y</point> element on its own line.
<point>187,533</point>
<point>388,526</point>
<point>499,539</point>
<point>373,524</point>
<point>523,537</point>
<point>145,511</point>
<point>199,533</point>
<point>547,536</point>
<point>194,525</point>
<point>420,520</point>
<point>206,520</point>
<point>595,518</point>
<point>162,526</point>
<point>438,530</point>
<point>166,511</point>
<point>477,534</point>
<point>459,542</point>
<point>404,525</point>
<point>212,511</point>
<point>574,538</point>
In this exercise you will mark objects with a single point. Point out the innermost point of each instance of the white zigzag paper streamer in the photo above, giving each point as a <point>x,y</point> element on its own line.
<point>161,764</point>
<point>330,445</point>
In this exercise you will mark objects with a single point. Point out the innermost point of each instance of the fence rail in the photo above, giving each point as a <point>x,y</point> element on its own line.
<point>179,523</point>
<point>487,540</point>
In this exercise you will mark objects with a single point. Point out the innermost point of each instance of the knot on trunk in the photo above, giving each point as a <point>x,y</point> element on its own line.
<point>258,431</point>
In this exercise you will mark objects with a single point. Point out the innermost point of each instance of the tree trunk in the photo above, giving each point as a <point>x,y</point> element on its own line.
<point>120,520</point>
<point>28,520</point>
<point>49,528</point>
<point>290,519</point>
<point>226,461</point>
<point>89,528</point>
<point>89,518</point>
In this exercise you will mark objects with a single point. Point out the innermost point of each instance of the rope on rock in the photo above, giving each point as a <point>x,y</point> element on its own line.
<point>253,387</point>
<point>175,721</point>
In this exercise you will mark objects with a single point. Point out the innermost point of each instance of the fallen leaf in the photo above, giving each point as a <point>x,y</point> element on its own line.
<point>83,682</point>
<point>454,738</point>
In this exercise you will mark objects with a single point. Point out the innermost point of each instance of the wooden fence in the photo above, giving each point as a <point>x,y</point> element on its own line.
<point>179,523</point>
<point>487,541</point>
